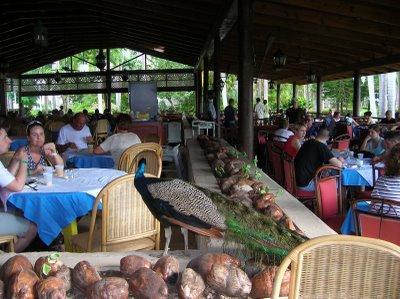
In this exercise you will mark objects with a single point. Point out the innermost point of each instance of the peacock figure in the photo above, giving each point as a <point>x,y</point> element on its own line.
<point>179,203</point>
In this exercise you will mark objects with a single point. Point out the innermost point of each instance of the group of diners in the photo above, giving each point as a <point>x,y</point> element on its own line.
<point>32,159</point>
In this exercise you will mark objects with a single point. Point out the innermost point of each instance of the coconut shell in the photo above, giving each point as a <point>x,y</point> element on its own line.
<point>44,260</point>
<point>226,184</point>
<point>168,268</point>
<point>51,288</point>
<point>109,287</point>
<point>83,276</point>
<point>263,283</point>
<point>129,264</point>
<point>191,285</point>
<point>203,263</point>
<point>274,211</point>
<point>229,280</point>
<point>21,285</point>
<point>14,265</point>
<point>64,273</point>
<point>146,284</point>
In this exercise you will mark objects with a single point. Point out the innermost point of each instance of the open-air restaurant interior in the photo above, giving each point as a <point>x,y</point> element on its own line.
<point>199,149</point>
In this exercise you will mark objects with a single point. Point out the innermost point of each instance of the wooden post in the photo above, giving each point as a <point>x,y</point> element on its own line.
<point>318,96</point>
<point>205,84</point>
<point>217,79</point>
<point>294,91</point>
<point>245,78</point>
<point>278,97</point>
<point>108,81</point>
<point>3,97</point>
<point>356,94</point>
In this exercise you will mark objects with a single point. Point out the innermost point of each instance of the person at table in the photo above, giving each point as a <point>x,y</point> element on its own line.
<point>259,111</point>
<point>312,155</point>
<point>368,118</point>
<point>374,143</point>
<point>38,153</point>
<point>10,222</point>
<point>230,114</point>
<point>74,136</point>
<point>391,139</point>
<point>388,118</point>
<point>295,114</point>
<point>117,143</point>
<point>295,141</point>
<point>311,127</point>
<point>283,133</point>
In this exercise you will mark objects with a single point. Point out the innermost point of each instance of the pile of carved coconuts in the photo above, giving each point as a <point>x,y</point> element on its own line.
<point>239,184</point>
<point>212,275</point>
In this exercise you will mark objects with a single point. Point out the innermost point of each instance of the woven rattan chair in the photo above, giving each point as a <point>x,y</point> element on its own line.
<point>10,240</point>
<point>342,267</point>
<point>6,158</point>
<point>101,131</point>
<point>126,222</point>
<point>150,151</point>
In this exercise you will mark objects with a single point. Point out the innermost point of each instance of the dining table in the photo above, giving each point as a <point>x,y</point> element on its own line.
<point>53,208</point>
<point>86,159</point>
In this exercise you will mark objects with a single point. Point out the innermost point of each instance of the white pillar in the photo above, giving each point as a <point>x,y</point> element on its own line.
<point>224,91</point>
<point>371,92</point>
<point>118,101</point>
<point>100,102</point>
<point>391,83</point>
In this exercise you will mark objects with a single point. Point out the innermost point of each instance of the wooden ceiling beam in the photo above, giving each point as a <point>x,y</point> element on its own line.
<point>329,20</point>
<point>309,28</point>
<point>350,9</point>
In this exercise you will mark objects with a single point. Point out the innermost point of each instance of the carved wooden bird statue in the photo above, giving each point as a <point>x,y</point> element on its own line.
<point>176,202</point>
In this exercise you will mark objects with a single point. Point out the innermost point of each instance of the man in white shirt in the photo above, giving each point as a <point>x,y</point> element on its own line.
<point>74,136</point>
<point>11,224</point>
<point>117,143</point>
<point>259,110</point>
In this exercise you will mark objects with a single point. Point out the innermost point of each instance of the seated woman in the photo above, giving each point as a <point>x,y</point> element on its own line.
<point>374,143</point>
<point>36,150</point>
<point>388,186</point>
<point>10,223</point>
<point>295,141</point>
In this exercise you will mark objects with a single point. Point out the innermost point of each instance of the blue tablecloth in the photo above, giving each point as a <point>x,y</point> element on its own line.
<point>88,160</point>
<point>17,143</point>
<point>349,226</point>
<point>54,207</point>
<point>351,177</point>
<point>52,211</point>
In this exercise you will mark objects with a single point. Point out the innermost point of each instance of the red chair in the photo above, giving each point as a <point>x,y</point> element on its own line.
<point>341,142</point>
<point>276,161</point>
<point>380,223</point>
<point>290,182</point>
<point>328,188</point>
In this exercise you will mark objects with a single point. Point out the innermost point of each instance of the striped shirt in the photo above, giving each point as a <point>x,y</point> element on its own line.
<point>388,187</point>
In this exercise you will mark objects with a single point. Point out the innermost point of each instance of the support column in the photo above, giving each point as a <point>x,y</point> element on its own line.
<point>318,96</point>
<point>3,97</point>
<point>278,97</point>
<point>294,91</point>
<point>20,106</point>
<point>356,94</point>
<point>245,78</point>
<point>197,76</point>
<point>108,81</point>
<point>217,79</point>
<point>205,84</point>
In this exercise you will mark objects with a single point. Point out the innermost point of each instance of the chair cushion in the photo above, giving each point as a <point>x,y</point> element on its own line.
<point>301,194</point>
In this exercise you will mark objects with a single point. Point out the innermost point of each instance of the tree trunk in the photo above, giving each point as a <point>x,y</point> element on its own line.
<point>224,92</point>
<point>391,91</point>
<point>100,102</point>
<point>371,92</point>
<point>382,94</point>
<point>265,83</point>
<point>118,101</point>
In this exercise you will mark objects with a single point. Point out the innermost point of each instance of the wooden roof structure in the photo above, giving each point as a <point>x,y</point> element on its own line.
<point>331,37</point>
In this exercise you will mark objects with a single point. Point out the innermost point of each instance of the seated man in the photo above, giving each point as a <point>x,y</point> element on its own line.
<point>390,140</point>
<point>74,136</point>
<point>117,143</point>
<point>10,223</point>
<point>282,134</point>
<point>388,118</point>
<point>313,154</point>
